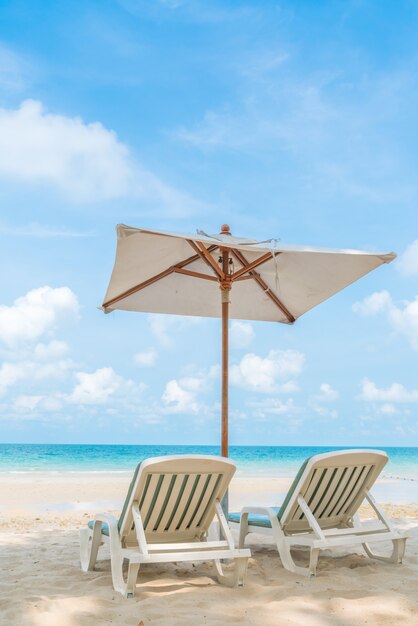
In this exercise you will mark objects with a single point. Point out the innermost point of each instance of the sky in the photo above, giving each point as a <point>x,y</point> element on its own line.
<point>291,120</point>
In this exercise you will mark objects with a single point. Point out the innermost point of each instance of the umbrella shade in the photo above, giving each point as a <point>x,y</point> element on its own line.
<point>158,272</point>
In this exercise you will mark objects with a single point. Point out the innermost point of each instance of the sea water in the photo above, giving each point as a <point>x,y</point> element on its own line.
<point>280,461</point>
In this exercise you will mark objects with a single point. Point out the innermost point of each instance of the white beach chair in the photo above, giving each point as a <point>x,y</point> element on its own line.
<point>320,510</point>
<point>170,505</point>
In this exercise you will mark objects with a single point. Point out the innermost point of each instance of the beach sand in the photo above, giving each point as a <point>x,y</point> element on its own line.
<point>41,583</point>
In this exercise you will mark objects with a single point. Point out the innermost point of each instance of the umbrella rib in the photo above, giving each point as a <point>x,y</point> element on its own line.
<point>205,255</point>
<point>250,266</point>
<point>150,281</point>
<point>179,270</point>
<point>256,276</point>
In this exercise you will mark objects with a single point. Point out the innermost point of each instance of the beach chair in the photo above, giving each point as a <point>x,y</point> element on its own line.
<point>320,510</point>
<point>170,505</point>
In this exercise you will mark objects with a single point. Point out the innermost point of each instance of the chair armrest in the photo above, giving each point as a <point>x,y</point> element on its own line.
<point>259,510</point>
<point>110,520</point>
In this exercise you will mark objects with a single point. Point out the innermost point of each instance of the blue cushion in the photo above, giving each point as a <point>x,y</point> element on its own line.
<point>105,527</point>
<point>254,519</point>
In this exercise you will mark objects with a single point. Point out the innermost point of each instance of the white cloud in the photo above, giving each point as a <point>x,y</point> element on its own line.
<point>25,403</point>
<point>403,318</point>
<point>40,231</point>
<point>105,386</point>
<point>330,132</point>
<point>10,373</point>
<point>375,303</point>
<point>32,368</point>
<point>52,350</point>
<point>326,393</point>
<point>85,161</point>
<point>407,263</point>
<point>167,328</point>
<point>177,399</point>
<point>290,386</point>
<point>33,314</point>
<point>14,70</point>
<point>405,321</point>
<point>95,388</point>
<point>29,317</point>
<point>160,328</point>
<point>241,334</point>
<point>32,371</point>
<point>256,373</point>
<point>181,396</point>
<point>36,407</point>
<point>147,358</point>
<point>320,402</point>
<point>272,407</point>
<point>324,411</point>
<point>388,409</point>
<point>396,392</point>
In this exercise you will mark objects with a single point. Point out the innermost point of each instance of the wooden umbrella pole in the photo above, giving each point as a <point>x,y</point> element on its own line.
<point>225,289</point>
<point>225,320</point>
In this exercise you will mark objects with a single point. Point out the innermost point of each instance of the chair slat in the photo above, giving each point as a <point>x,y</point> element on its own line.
<point>350,479</point>
<point>328,494</point>
<point>159,507</point>
<point>144,494</point>
<point>321,488</point>
<point>151,481</point>
<point>207,496</point>
<point>339,488</point>
<point>184,494</point>
<point>163,507</point>
<point>357,488</point>
<point>171,503</point>
<point>210,501</point>
<point>185,501</point>
<point>151,498</point>
<point>193,501</point>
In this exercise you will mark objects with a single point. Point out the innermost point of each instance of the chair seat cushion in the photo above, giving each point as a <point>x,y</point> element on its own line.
<point>105,527</point>
<point>254,519</point>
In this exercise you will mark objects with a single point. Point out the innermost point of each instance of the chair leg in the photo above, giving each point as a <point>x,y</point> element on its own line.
<point>284,550</point>
<point>237,576</point>
<point>243,531</point>
<point>289,564</point>
<point>90,542</point>
<point>396,556</point>
<point>219,571</point>
<point>241,564</point>
<point>133,570</point>
<point>116,566</point>
<point>313,561</point>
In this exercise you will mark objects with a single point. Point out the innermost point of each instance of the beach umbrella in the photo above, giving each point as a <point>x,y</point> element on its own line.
<point>228,277</point>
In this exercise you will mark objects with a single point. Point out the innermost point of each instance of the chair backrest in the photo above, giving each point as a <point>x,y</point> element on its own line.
<point>333,485</point>
<point>176,496</point>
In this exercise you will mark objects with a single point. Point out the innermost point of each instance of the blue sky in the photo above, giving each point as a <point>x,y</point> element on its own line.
<point>294,120</point>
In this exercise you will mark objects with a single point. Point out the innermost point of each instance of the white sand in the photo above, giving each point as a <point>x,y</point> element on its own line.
<point>41,583</point>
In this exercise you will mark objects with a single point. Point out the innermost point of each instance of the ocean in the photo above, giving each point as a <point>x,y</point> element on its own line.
<point>280,461</point>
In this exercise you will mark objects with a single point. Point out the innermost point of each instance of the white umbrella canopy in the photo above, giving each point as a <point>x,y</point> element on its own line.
<point>159,272</point>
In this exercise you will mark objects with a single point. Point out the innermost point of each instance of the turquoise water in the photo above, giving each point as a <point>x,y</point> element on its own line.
<point>281,461</point>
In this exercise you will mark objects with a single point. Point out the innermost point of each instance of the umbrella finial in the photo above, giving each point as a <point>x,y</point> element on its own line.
<point>225,230</point>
